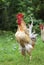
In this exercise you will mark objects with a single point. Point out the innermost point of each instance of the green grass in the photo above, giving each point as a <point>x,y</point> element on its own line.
<point>10,55</point>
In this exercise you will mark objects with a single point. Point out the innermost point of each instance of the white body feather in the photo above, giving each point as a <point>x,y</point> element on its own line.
<point>20,34</point>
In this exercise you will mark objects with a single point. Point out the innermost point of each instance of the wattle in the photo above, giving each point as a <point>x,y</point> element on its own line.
<point>19,21</point>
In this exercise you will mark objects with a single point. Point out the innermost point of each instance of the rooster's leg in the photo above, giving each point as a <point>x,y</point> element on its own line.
<point>30,55</point>
<point>23,52</point>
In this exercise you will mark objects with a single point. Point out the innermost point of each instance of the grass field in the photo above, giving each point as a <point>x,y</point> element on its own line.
<point>10,55</point>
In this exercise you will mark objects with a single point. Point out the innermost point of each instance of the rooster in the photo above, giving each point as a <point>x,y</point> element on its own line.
<point>22,36</point>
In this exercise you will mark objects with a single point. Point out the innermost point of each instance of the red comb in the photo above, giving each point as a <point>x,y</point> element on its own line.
<point>41,26</point>
<point>20,15</point>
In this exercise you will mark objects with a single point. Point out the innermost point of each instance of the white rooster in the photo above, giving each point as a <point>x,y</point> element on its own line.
<point>23,36</point>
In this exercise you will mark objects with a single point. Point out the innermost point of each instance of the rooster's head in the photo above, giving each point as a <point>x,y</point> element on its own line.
<point>19,18</point>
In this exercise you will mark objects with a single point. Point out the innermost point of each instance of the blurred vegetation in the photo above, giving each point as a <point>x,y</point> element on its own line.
<point>30,8</point>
